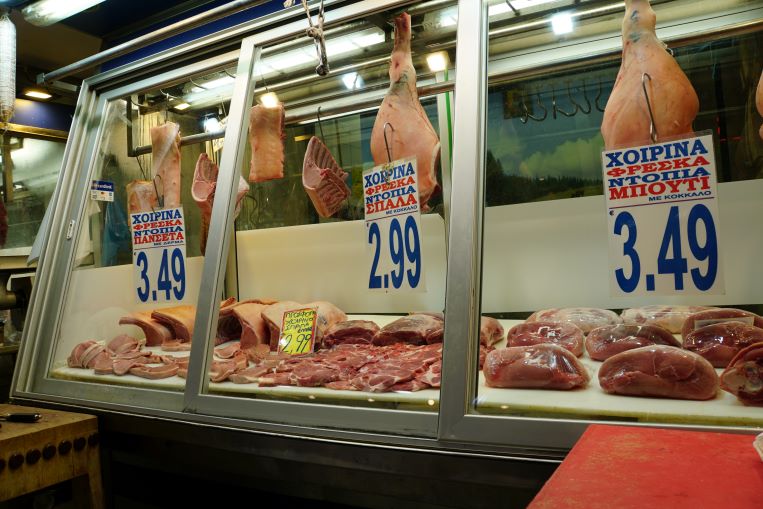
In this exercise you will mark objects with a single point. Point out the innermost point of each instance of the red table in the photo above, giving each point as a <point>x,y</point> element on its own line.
<point>620,467</point>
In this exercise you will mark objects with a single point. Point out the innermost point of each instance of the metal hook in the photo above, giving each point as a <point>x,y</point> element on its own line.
<point>558,109</point>
<point>586,110</point>
<point>159,198</point>
<point>525,112</point>
<point>598,96</point>
<point>540,105</point>
<point>320,125</point>
<point>652,127</point>
<point>386,143</point>
<point>516,12</point>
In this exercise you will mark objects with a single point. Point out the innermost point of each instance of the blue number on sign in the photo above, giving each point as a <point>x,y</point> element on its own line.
<point>143,260</point>
<point>374,281</point>
<point>413,250</point>
<point>164,284</point>
<point>676,265</point>
<point>178,273</point>
<point>628,284</point>
<point>707,252</point>
<point>396,252</point>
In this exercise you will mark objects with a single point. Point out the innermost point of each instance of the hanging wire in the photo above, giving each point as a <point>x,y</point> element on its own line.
<point>652,126</point>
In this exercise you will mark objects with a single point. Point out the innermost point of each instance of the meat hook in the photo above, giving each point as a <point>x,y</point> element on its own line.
<point>525,113</point>
<point>585,110</point>
<point>516,12</point>
<point>652,127</point>
<point>540,105</point>
<point>389,152</point>
<point>316,32</point>
<point>598,96</point>
<point>558,109</point>
<point>320,125</point>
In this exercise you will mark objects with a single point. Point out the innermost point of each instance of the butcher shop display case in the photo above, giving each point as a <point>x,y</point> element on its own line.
<point>361,226</point>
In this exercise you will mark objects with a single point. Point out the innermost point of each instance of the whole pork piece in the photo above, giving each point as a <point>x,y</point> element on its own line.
<point>563,334</point>
<point>179,319</point>
<point>543,366</point>
<point>491,331</point>
<point>586,319</point>
<point>252,328</point>
<point>350,332</point>
<point>673,100</point>
<point>671,318</point>
<point>266,137</point>
<point>156,333</point>
<point>744,375</point>
<point>411,134</point>
<point>720,342</point>
<point>413,329</point>
<point>323,179</point>
<point>328,315</point>
<point>719,315</point>
<point>165,168</point>
<point>273,317</point>
<point>141,196</point>
<point>203,192</point>
<point>604,342</point>
<point>659,371</point>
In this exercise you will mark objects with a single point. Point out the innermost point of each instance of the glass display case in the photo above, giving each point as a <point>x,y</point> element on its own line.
<point>240,276</point>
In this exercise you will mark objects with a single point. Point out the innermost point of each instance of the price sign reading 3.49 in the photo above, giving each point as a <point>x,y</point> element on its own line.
<point>158,253</point>
<point>393,219</point>
<point>663,218</point>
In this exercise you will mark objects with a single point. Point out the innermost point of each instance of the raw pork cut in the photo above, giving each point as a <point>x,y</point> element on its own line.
<point>155,372</point>
<point>165,168</point>
<point>155,332</point>
<point>671,318</point>
<point>604,342</point>
<point>491,331</point>
<point>273,316</point>
<point>86,354</point>
<point>323,179</point>
<point>563,334</point>
<point>250,326</point>
<point>122,344</point>
<point>744,375</point>
<point>543,366</point>
<point>350,332</point>
<point>719,315</point>
<point>759,102</point>
<point>672,98</point>
<point>659,371</point>
<point>203,192</point>
<point>414,329</point>
<point>586,319</point>
<point>410,133</point>
<point>141,196</point>
<point>266,137</point>
<point>328,315</point>
<point>179,319</point>
<point>720,342</point>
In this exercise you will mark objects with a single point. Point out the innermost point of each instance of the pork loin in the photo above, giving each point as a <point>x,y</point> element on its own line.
<point>563,334</point>
<point>744,375</point>
<point>350,332</point>
<point>604,342</point>
<point>266,137</point>
<point>720,342</point>
<point>323,179</point>
<point>542,366</point>
<point>414,329</point>
<point>586,319</point>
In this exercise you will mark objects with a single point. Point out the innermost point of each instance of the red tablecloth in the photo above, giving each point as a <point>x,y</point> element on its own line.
<point>621,467</point>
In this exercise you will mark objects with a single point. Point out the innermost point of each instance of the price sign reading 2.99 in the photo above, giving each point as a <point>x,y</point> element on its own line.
<point>393,219</point>
<point>663,218</point>
<point>158,252</point>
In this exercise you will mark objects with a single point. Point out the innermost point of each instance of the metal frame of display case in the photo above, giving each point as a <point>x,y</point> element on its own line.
<point>455,428</point>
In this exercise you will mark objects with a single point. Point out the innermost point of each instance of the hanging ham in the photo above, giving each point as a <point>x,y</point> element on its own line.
<point>165,168</point>
<point>673,101</point>
<point>266,137</point>
<point>410,134</point>
<point>323,179</point>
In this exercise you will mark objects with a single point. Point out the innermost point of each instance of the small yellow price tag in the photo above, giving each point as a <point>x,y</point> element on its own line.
<point>298,331</point>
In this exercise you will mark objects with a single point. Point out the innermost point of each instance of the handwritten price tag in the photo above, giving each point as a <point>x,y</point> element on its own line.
<point>393,219</point>
<point>663,218</point>
<point>298,332</point>
<point>158,243</point>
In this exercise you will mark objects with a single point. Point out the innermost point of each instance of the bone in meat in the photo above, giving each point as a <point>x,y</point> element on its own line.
<point>273,316</point>
<point>141,196</point>
<point>673,99</point>
<point>179,319</point>
<point>165,168</point>
<point>411,134</point>
<point>323,179</point>
<point>203,192</point>
<point>266,137</point>
<point>155,332</point>
<point>744,375</point>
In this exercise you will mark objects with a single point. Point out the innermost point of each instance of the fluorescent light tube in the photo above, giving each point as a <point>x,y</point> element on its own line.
<point>37,94</point>
<point>47,12</point>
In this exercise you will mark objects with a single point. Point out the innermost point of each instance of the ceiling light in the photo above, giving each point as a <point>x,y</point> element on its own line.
<point>181,106</point>
<point>212,84</point>
<point>503,7</point>
<point>46,12</point>
<point>437,61</point>
<point>269,100</point>
<point>561,23</point>
<point>352,81</point>
<point>38,94</point>
<point>212,125</point>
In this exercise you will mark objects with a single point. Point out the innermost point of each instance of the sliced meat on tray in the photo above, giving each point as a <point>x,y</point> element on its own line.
<point>744,375</point>
<point>179,319</point>
<point>659,371</point>
<point>155,372</point>
<point>414,329</point>
<point>122,344</point>
<point>543,366</point>
<point>671,318</point>
<point>720,315</point>
<point>563,334</point>
<point>323,179</point>
<point>604,342</point>
<point>720,342</point>
<point>85,354</point>
<point>350,332</point>
<point>586,319</point>
<point>156,333</point>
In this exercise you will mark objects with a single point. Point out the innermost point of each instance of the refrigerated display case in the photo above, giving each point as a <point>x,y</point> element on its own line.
<point>510,113</point>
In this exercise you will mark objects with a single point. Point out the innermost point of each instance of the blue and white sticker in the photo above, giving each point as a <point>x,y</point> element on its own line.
<point>102,190</point>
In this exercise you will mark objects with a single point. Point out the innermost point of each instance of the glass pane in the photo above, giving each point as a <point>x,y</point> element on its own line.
<point>301,241</point>
<point>553,100</point>
<point>130,304</point>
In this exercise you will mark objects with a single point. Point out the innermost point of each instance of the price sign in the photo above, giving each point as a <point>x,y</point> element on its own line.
<point>663,218</point>
<point>393,219</point>
<point>158,252</point>
<point>298,331</point>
